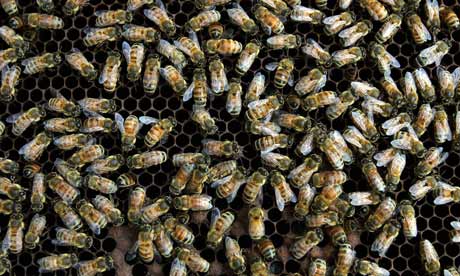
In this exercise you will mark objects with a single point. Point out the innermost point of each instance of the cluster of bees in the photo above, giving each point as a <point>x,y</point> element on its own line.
<point>399,118</point>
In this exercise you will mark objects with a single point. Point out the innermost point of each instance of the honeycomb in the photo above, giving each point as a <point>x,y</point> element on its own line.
<point>402,257</point>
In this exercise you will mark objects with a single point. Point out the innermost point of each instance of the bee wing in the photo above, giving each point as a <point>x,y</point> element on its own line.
<point>291,80</point>
<point>221,181</point>
<point>422,29</point>
<point>232,196</point>
<point>383,158</point>
<point>177,265</point>
<point>269,131</point>
<point>441,200</point>
<point>456,76</point>
<point>393,61</point>
<point>126,48</point>
<point>455,225</point>
<point>360,198</point>
<point>5,71</point>
<point>12,118</point>
<point>102,77</point>
<point>279,200</point>
<point>443,158</point>
<point>347,33</point>
<point>59,242</point>
<point>331,19</point>
<point>255,104</point>
<point>189,92</point>
<point>381,272</point>
<point>89,30</point>
<point>271,66</point>
<point>100,12</point>
<point>194,37</point>
<point>401,144</point>
<point>147,120</point>
<point>120,122</point>
<point>25,148</point>
<point>215,214</point>
<point>447,272</point>
<point>95,228</point>
<point>161,5</point>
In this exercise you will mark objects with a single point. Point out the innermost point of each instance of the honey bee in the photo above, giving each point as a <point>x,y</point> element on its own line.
<point>146,159</point>
<point>109,164</point>
<point>8,206</point>
<point>107,207</point>
<point>365,267</point>
<point>199,176</point>
<point>100,184</point>
<point>283,41</point>
<point>419,32</point>
<point>174,79</point>
<point>203,19</point>
<point>71,7</point>
<point>456,135</point>
<point>217,148</point>
<point>34,149</point>
<point>228,186</point>
<point>8,166</point>
<point>192,259</point>
<point>57,184</point>
<point>46,5</point>
<point>95,219</point>
<point>283,193</point>
<point>152,212</point>
<point>68,216</point>
<point>234,256</point>
<point>317,267</point>
<point>376,10</point>
<point>133,5</point>
<point>449,17</point>
<point>323,200</point>
<point>269,22</point>
<point>353,34</point>
<point>302,174</point>
<point>262,108</point>
<point>135,203</point>
<point>129,129</point>
<point>86,154</point>
<point>291,121</point>
<point>421,187</point>
<point>442,131</point>
<point>354,137</point>
<point>223,46</point>
<point>409,89</point>
<point>408,141</point>
<point>430,258</point>
<point>306,196</point>
<point>66,237</point>
<point>95,266</point>
<point>110,74</point>
<point>221,170</point>
<point>240,18</point>
<point>373,176</point>
<point>13,39</point>
<point>304,244</point>
<point>364,124</point>
<point>191,47</point>
<point>385,61</point>
<point>162,240</point>
<point>313,82</point>
<point>394,125</point>
<point>256,226</point>
<point>9,6</point>
<point>258,267</point>
<point>283,73</point>
<point>335,154</point>
<point>445,193</point>
<point>432,159</point>
<point>22,121</point>
<point>335,23</point>
<point>98,105</point>
<point>363,89</point>
<point>307,144</point>
<point>267,249</point>
<point>384,212</point>
<point>256,88</point>
<point>347,56</point>
<point>247,57</point>
<point>172,53</point>
<point>384,157</point>
<point>98,123</point>
<point>277,161</point>
<point>346,99</point>
<point>98,36</point>
<point>181,179</point>
<point>136,33</point>
<point>220,224</point>
<point>329,218</point>
<point>447,83</point>
<point>434,53</point>
<point>158,15</point>
<point>126,180</point>
<point>307,15</point>
<point>151,74</point>
<point>134,56</point>
<point>202,117</point>
<point>344,261</point>
<point>451,271</point>
<point>112,17</point>
<point>78,62</point>
<point>10,79</point>
<point>219,81</point>
<point>57,262</point>
<point>326,178</point>
<point>196,202</point>
<point>198,89</point>
<point>62,125</point>
<point>68,142</point>
<point>71,175</point>
<point>145,247</point>
<point>263,128</point>
<point>433,18</point>
<point>178,231</point>
<point>394,171</point>
<point>389,28</point>
<point>61,105</point>
<point>337,234</point>
<point>180,159</point>
<point>13,240</point>
<point>44,21</point>
<point>270,143</point>
<point>36,228</point>
<point>408,221</point>
<point>395,95</point>
<point>364,198</point>
<point>178,268</point>
<point>159,131</point>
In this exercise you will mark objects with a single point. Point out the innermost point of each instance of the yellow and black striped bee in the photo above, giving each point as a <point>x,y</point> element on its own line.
<point>43,21</point>
<point>13,39</point>
<point>110,74</point>
<point>174,79</point>
<point>96,220</point>
<point>71,7</point>
<point>101,184</point>
<point>270,23</point>
<point>68,216</point>
<point>70,174</point>
<point>247,56</point>
<point>10,79</point>
<point>34,149</point>
<point>61,105</point>
<point>98,36</point>
<point>192,259</point>
<point>283,74</point>
<point>220,224</point>
<point>158,15</point>
<point>419,31</point>
<point>38,198</point>
<point>86,154</point>
<point>57,184</point>
<point>223,46</point>
<point>112,17</point>
<point>178,231</point>
<point>159,131</point>
<point>203,118</point>
<point>126,180</point>
<point>95,266</point>
<point>107,207</point>
<point>129,129</point>
<point>57,262</point>
<point>376,10</point>
<point>66,237</point>
<point>284,42</point>
<point>151,74</point>
<point>40,63</point>
<point>135,203</point>
<point>9,6</point>
<point>62,125</point>
<point>36,228</point>
<point>203,19</point>
<point>98,123</point>
<point>21,121</point>
<point>78,62</point>
<point>13,241</point>
<point>134,55</point>
<point>240,18</point>
<point>449,17</point>
<point>234,102</point>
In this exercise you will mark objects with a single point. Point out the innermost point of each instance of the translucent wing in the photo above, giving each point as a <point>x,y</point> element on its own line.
<point>120,122</point>
<point>215,214</point>
<point>331,19</point>
<point>12,118</point>
<point>221,181</point>
<point>147,120</point>
<point>393,61</point>
<point>455,225</point>
<point>189,92</point>
<point>279,200</point>
<point>194,37</point>
<point>24,148</point>
<point>255,104</point>
<point>456,76</point>
<point>161,5</point>
<point>271,66</point>
<point>232,196</point>
<point>100,12</point>
<point>126,50</point>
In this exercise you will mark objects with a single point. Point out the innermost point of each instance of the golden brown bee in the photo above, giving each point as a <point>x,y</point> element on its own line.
<point>284,41</point>
<point>430,258</point>
<point>46,5</point>
<point>447,83</point>
<point>247,57</point>
<point>71,7</point>
<point>319,100</point>
<point>306,14</point>
<point>216,30</point>
<point>151,74</point>
<point>100,184</point>
<point>134,56</point>
<point>196,202</point>
<point>302,174</point>
<point>256,226</point>
<point>234,101</point>
<point>408,141</point>
<point>178,231</point>
<point>146,159</point>
<point>66,192</point>
<point>36,228</point>
<point>256,88</point>
<point>449,17</point>
<point>162,240</point>
<point>203,19</point>
<point>317,267</point>
<point>373,176</point>
<point>219,81</point>
<point>385,238</point>
<point>258,267</point>
<point>337,234</point>
<point>314,81</point>
<point>344,261</point>
<point>262,128</point>
<point>192,259</point>
<point>240,18</point>
<point>86,155</point>
<point>61,105</point>
<point>292,121</point>
<point>181,179</point>
<point>171,52</point>
<point>78,62</point>
<point>385,61</point>
<point>355,138</point>
<point>57,262</point>
<point>434,53</point>
<point>202,117</point>
<point>335,23</point>
<point>174,79</point>
<point>71,175</point>
<point>95,266</point>
<point>135,203</point>
<point>136,33</point>
<point>376,10</point>
<point>346,99</point>
<point>159,131</point>
<point>10,79</point>
<point>191,47</point>
<point>110,74</point>
<point>306,195</point>
<point>433,20</point>
<point>109,164</point>
<point>333,151</point>
<point>235,257</point>
<point>314,50</point>
<point>95,219</point>
<point>432,159</point>
<point>223,46</point>
<point>347,56</point>
<point>419,32</point>
<point>197,179</point>
<point>304,244</point>
<point>261,108</point>
<point>158,15</point>
<point>364,89</point>
<point>180,159</point>
<point>38,198</point>
<point>66,237</point>
<point>98,36</point>
<point>97,123</point>
<point>277,161</point>
<point>126,180</point>
<point>283,193</point>
<point>424,85</point>
<point>68,216</point>
<point>267,249</point>
<point>328,195</point>
<point>221,170</point>
<point>21,121</point>
<point>446,193</point>
<point>325,178</point>
<point>217,148</point>
<point>62,125</point>
<point>112,17</point>
<point>9,6</point>
<point>383,213</point>
<point>8,166</point>
<point>68,142</point>
<point>442,131</point>
<point>8,206</point>
<point>198,89</point>
<point>421,187</point>
<point>283,73</point>
<point>98,105</point>
<point>13,39</point>
<point>107,207</point>
<point>145,247</point>
<point>408,221</point>
<point>269,22</point>
<point>220,224</point>
<point>353,34</point>
<point>365,267</point>
<point>389,28</point>
<point>152,212</point>
<point>129,129</point>
<point>13,241</point>
<point>364,124</point>
<point>270,143</point>
<point>43,21</point>
<point>35,148</point>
